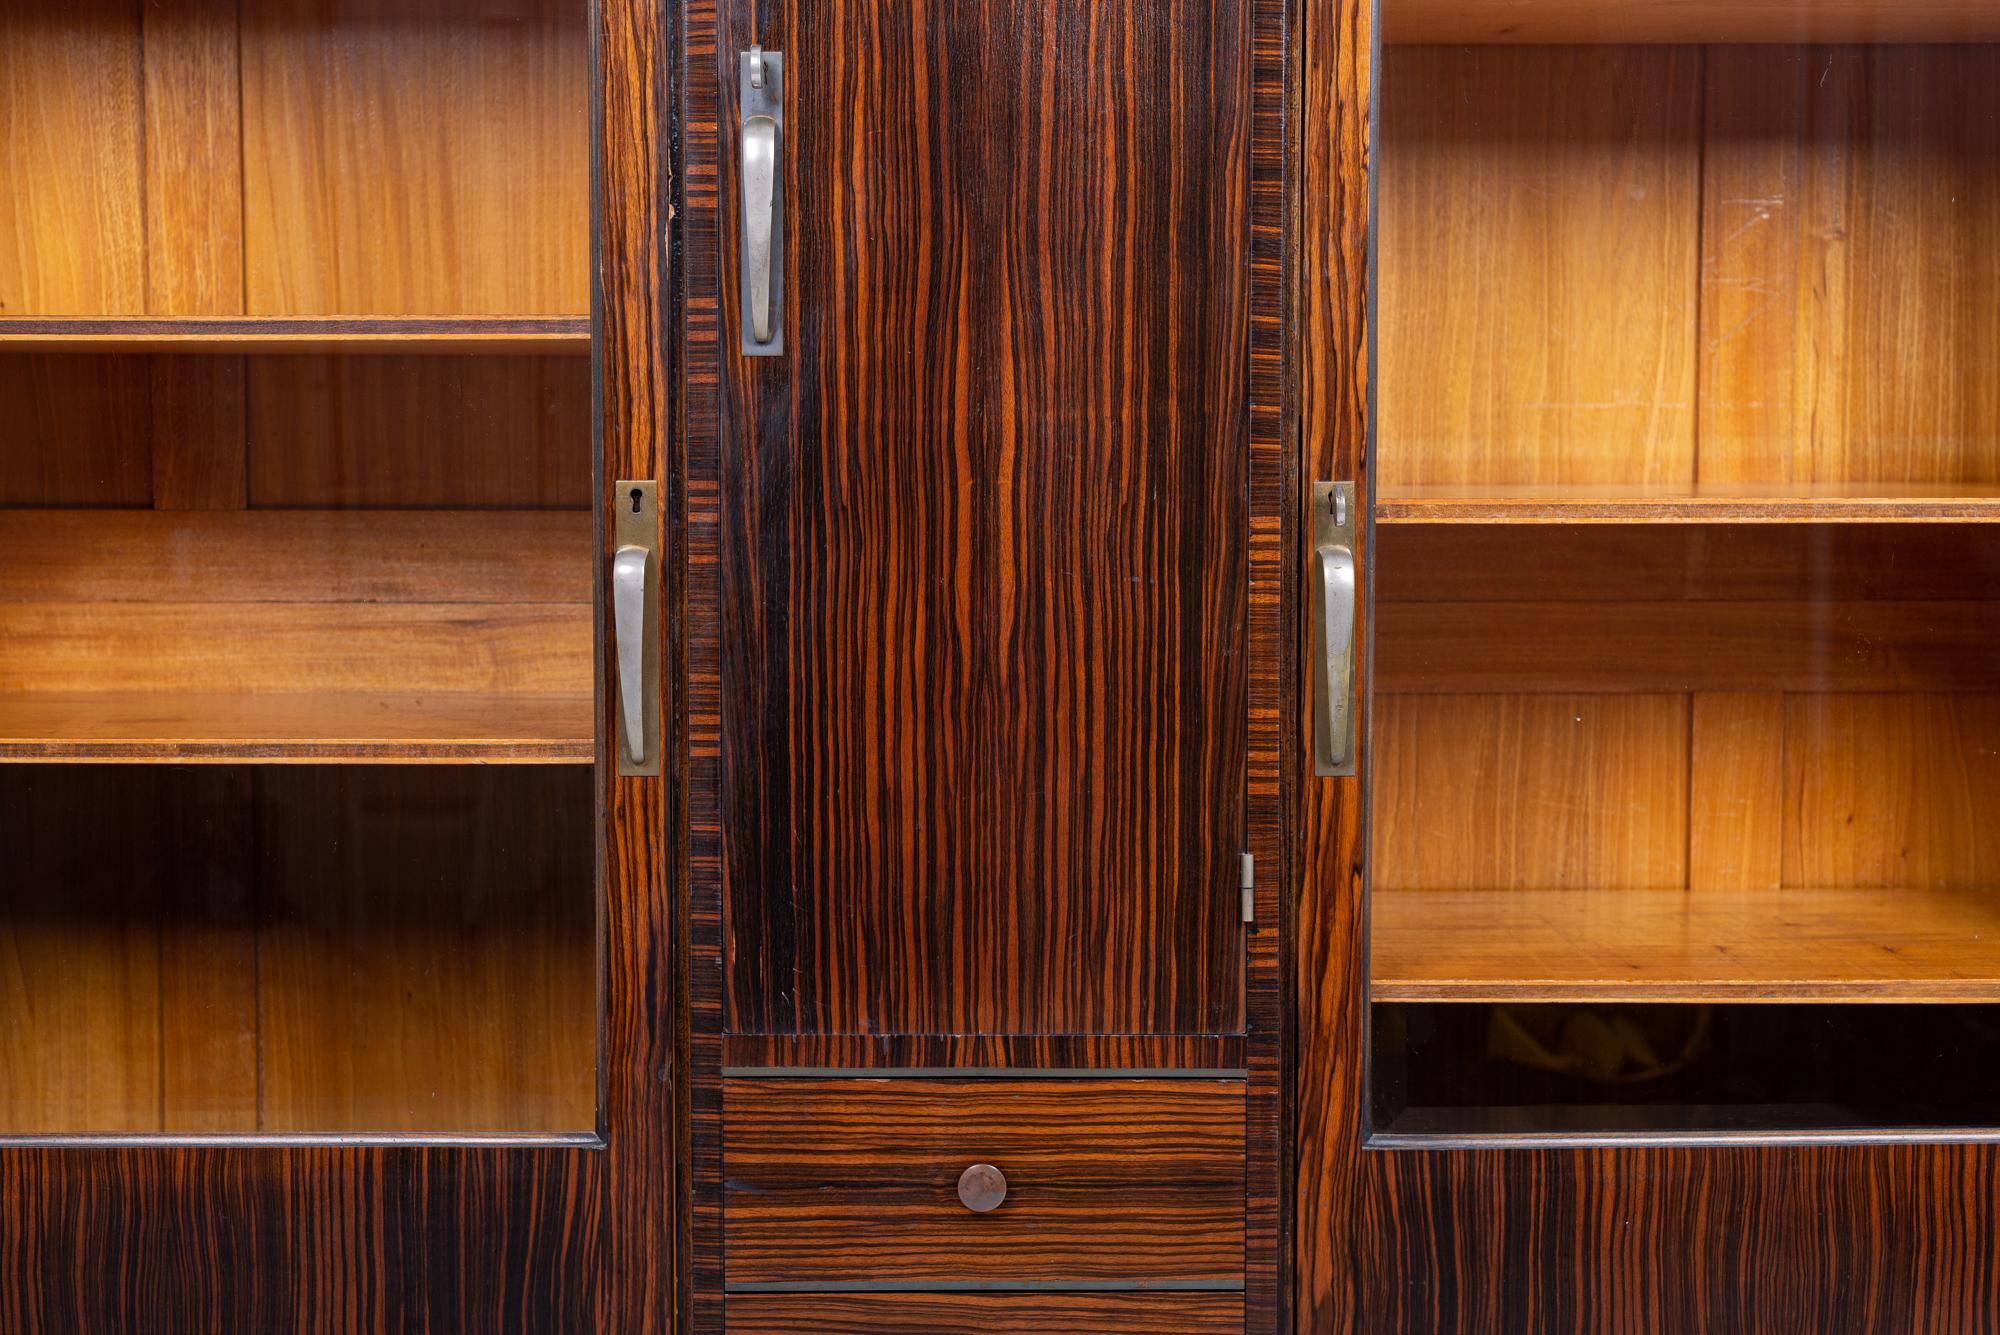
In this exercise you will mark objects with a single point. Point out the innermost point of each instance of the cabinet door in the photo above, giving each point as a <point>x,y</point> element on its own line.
<point>331,875</point>
<point>975,630</point>
<point>979,528</point>
<point>1672,836</point>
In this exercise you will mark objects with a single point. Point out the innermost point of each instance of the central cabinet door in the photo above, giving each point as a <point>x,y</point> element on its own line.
<point>982,523</point>
<point>982,1035</point>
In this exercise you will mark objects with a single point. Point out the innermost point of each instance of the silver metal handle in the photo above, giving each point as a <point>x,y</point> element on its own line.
<point>760,101</point>
<point>629,569</point>
<point>760,172</point>
<point>1333,628</point>
<point>635,599</point>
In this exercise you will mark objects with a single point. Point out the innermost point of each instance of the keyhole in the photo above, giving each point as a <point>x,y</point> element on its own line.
<point>638,496</point>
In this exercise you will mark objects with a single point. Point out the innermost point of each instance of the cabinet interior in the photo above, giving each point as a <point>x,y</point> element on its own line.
<point>1685,693</point>
<point>296,592</point>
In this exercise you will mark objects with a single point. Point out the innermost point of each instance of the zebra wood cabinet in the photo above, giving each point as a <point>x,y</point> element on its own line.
<point>1646,973</point>
<point>984,480</point>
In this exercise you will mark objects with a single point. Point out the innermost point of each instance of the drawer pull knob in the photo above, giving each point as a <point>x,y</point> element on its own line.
<point>982,1187</point>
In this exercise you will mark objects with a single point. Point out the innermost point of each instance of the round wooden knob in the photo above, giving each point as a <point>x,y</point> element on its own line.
<point>982,1187</point>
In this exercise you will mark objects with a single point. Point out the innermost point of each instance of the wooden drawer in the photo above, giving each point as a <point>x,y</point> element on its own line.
<point>844,1181</point>
<point>986,1313</point>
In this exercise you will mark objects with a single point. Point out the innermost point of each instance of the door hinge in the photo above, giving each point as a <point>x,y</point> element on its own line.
<point>1249,887</point>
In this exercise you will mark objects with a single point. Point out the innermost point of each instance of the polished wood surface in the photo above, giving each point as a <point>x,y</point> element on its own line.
<point>1822,1237</point>
<point>1689,21</point>
<point>295,158</point>
<point>556,335</point>
<point>986,1313</point>
<point>1797,314</point>
<point>212,973</point>
<point>1109,1182</point>
<point>412,1238</point>
<point>1817,944</point>
<point>979,536</point>
<point>1520,190</point>
<point>1708,503</point>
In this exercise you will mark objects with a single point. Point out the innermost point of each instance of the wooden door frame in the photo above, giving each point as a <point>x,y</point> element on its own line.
<point>411,1234</point>
<point>1855,1233</point>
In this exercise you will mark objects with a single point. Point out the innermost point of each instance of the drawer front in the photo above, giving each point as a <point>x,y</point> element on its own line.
<point>844,1181</point>
<point>986,1313</point>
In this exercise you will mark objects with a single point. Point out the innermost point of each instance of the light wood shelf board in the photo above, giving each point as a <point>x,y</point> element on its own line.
<point>538,335</point>
<point>1796,945</point>
<point>1746,504</point>
<point>1759,21</point>
<point>222,728</point>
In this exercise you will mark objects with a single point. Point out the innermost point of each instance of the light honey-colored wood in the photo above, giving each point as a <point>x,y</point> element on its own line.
<point>1539,267</point>
<point>294,157</point>
<point>296,556</point>
<point>554,335</point>
<point>72,225</point>
<point>1843,231</point>
<point>1706,503</point>
<point>426,955</point>
<point>1506,791</point>
<point>419,431</point>
<point>419,157</point>
<point>1690,21</point>
<point>1736,813</point>
<point>1587,944</point>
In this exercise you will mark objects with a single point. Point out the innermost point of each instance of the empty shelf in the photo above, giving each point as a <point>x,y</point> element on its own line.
<point>1845,504</point>
<point>535,334</point>
<point>1906,945</point>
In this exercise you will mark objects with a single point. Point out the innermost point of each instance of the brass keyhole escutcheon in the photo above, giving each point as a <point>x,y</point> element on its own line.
<point>982,1187</point>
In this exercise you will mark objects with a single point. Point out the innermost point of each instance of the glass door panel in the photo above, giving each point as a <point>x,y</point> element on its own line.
<point>1686,712</point>
<point>298,666</point>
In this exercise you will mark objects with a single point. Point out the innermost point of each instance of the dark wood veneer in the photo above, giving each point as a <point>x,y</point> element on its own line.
<point>987,1314</point>
<point>842,1181</point>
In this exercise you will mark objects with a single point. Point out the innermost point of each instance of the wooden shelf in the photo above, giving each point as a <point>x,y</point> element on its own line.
<point>539,335</point>
<point>122,726</point>
<point>1706,505</point>
<point>1569,21</point>
<point>325,636</point>
<point>1875,945</point>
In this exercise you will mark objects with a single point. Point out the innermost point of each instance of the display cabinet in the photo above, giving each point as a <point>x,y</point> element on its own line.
<point>1663,904</point>
<point>329,861</point>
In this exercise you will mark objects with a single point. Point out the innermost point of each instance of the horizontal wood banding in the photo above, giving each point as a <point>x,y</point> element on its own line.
<point>1748,504</point>
<point>1530,21</point>
<point>986,1313</point>
<point>845,1180</point>
<point>1110,1051</point>
<point>115,726</point>
<point>545,334</point>
<point>1686,646</point>
<point>1793,945</point>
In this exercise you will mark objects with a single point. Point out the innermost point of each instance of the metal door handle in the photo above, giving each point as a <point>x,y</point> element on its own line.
<point>635,580</point>
<point>1333,629</point>
<point>761,108</point>
<point>628,611</point>
<point>760,171</point>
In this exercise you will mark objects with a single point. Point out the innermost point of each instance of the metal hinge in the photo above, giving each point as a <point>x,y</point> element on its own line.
<point>1249,887</point>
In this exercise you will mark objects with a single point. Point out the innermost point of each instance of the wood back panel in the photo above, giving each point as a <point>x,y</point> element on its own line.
<point>295,157</point>
<point>1661,265</point>
<point>1689,21</point>
<point>1109,1182</point>
<point>982,530</point>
